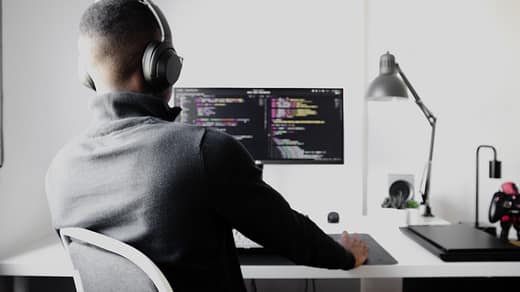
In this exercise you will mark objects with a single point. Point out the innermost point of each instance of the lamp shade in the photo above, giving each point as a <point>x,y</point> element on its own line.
<point>388,85</point>
<point>495,169</point>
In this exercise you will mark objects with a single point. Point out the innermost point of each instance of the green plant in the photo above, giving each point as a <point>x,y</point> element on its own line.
<point>411,204</point>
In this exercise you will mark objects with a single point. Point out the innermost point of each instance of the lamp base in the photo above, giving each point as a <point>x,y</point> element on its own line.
<point>427,211</point>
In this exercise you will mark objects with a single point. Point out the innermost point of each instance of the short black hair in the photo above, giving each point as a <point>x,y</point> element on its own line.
<point>122,29</point>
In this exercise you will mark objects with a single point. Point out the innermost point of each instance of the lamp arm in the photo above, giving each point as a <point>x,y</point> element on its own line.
<point>427,113</point>
<point>432,120</point>
<point>426,192</point>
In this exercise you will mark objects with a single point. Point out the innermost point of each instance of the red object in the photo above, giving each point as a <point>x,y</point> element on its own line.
<point>509,188</point>
<point>505,218</point>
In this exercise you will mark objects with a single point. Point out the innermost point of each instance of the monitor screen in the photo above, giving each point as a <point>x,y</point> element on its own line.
<point>276,125</point>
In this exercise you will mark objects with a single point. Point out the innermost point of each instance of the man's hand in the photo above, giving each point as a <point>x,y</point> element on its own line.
<point>356,246</point>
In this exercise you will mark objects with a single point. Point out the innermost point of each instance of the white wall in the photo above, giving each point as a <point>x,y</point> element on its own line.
<point>43,107</point>
<point>462,58</point>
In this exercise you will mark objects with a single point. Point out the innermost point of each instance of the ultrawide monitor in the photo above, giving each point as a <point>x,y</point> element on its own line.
<point>276,125</point>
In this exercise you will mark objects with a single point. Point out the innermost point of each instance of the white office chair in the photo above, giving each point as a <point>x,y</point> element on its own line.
<point>104,264</point>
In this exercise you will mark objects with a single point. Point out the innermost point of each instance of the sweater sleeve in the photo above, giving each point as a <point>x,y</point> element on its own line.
<point>251,206</point>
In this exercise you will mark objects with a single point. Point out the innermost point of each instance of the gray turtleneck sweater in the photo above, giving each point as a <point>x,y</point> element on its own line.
<point>175,192</point>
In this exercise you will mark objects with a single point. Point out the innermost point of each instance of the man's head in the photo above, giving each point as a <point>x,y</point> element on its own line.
<point>113,37</point>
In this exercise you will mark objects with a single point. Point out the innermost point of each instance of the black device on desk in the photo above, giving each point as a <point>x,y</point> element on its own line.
<point>459,242</point>
<point>377,255</point>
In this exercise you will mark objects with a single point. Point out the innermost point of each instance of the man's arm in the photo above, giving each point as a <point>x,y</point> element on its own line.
<point>259,212</point>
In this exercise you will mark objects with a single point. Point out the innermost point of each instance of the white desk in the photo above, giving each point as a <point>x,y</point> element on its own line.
<point>47,258</point>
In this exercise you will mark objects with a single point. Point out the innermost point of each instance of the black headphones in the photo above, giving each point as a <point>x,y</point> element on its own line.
<point>160,63</point>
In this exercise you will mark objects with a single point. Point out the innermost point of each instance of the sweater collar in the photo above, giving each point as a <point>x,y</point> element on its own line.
<point>120,105</point>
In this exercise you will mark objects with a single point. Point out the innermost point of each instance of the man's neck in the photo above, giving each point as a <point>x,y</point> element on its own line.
<point>135,84</point>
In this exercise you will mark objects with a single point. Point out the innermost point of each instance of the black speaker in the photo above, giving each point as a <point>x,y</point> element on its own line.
<point>400,191</point>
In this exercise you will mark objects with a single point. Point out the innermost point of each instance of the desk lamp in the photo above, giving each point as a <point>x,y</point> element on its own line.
<point>388,86</point>
<point>495,171</point>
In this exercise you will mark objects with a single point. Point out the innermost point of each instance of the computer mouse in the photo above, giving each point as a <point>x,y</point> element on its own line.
<point>333,217</point>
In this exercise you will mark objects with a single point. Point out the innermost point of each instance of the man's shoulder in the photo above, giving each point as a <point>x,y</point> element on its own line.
<point>219,147</point>
<point>182,130</point>
<point>218,143</point>
<point>216,136</point>
<point>161,135</point>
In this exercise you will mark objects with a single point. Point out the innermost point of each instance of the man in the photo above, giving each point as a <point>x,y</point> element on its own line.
<point>173,191</point>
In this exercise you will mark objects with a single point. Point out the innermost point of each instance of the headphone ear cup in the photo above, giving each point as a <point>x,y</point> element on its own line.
<point>147,62</point>
<point>161,65</point>
<point>172,67</point>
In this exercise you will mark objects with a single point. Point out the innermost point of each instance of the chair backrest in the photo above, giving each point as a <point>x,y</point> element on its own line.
<point>103,264</point>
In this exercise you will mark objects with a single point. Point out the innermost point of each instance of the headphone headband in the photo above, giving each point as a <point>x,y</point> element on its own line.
<point>166,34</point>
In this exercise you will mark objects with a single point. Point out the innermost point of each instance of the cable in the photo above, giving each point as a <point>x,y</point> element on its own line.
<point>313,285</point>
<point>253,285</point>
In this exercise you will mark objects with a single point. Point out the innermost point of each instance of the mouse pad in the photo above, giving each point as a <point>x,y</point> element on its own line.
<point>377,255</point>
